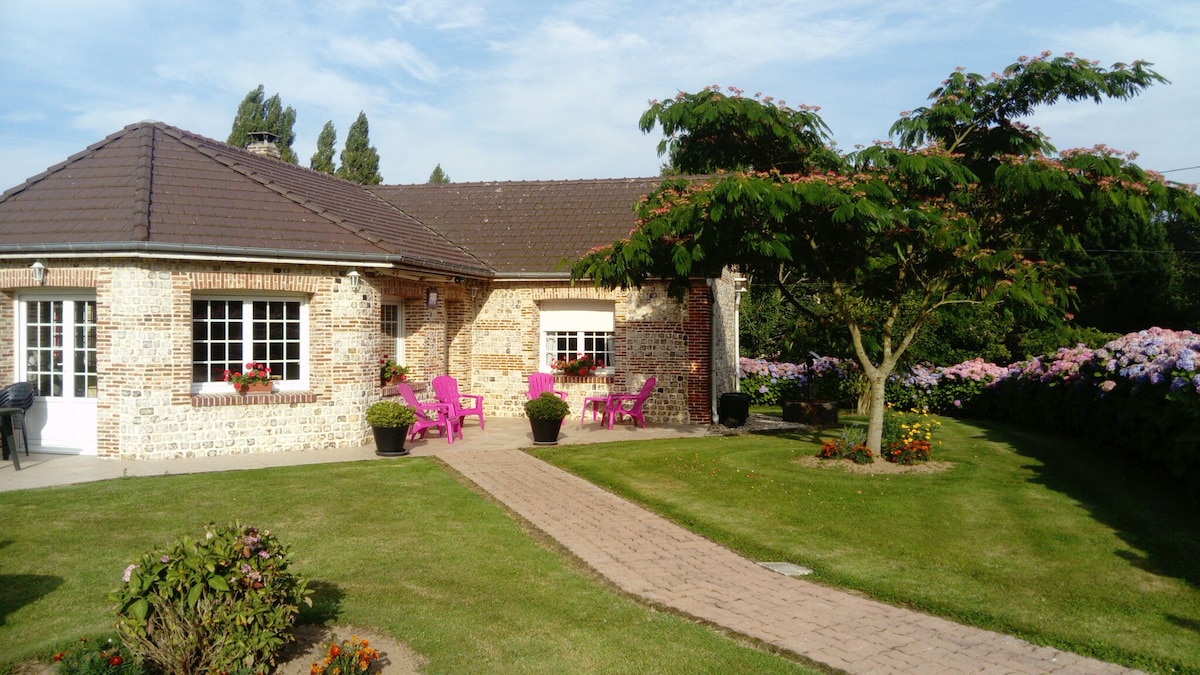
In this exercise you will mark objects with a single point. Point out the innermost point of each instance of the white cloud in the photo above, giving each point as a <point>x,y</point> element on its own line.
<point>501,90</point>
<point>381,55</point>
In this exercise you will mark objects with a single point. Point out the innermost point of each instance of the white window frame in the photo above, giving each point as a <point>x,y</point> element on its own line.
<point>391,332</point>
<point>582,318</point>
<point>299,383</point>
<point>67,348</point>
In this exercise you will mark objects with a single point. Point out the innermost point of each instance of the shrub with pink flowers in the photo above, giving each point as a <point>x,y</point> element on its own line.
<point>945,390</point>
<point>772,382</point>
<point>1139,393</point>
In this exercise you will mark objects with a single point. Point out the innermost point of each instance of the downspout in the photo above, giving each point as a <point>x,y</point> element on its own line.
<point>739,287</point>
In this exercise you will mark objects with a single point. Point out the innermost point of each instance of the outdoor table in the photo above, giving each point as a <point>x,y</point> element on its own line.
<point>8,434</point>
<point>597,403</point>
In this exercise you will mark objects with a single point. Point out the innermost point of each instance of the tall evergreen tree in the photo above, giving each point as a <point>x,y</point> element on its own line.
<point>322,159</point>
<point>360,160</point>
<point>257,113</point>
<point>439,176</point>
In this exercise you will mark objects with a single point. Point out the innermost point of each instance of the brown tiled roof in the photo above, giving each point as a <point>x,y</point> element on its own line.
<point>525,227</point>
<point>153,185</point>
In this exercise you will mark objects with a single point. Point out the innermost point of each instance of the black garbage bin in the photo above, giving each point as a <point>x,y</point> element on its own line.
<point>733,409</point>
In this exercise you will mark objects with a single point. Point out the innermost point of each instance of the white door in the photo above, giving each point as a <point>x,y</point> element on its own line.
<point>56,351</point>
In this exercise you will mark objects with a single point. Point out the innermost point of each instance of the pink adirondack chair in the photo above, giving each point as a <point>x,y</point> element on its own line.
<point>629,405</point>
<point>429,416</point>
<point>446,389</point>
<point>542,382</point>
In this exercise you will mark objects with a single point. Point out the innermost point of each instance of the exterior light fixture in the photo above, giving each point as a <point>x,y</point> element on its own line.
<point>354,278</point>
<point>39,272</point>
<point>431,298</point>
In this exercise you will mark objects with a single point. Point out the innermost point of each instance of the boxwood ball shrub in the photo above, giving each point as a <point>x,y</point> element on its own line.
<point>391,414</point>
<point>547,406</point>
<point>225,602</point>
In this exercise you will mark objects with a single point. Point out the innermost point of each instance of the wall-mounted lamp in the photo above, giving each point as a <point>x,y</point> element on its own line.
<point>354,278</point>
<point>39,272</point>
<point>431,298</point>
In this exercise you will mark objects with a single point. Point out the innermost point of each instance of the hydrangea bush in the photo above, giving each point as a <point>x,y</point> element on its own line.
<point>772,382</point>
<point>1138,393</point>
<point>222,603</point>
<point>943,390</point>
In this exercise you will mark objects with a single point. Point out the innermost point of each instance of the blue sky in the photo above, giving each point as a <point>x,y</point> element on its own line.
<point>508,90</point>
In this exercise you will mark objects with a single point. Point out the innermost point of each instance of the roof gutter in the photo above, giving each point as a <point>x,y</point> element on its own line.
<point>234,254</point>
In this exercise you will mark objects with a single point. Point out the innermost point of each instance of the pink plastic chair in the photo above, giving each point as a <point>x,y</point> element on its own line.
<point>540,382</point>
<point>429,416</point>
<point>628,405</point>
<point>446,389</point>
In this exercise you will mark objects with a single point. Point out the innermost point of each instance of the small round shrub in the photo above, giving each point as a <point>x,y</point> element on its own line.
<point>548,406</point>
<point>222,603</point>
<point>390,414</point>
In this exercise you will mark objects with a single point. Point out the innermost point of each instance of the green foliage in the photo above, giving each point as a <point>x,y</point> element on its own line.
<point>94,657</point>
<point>1041,341</point>
<point>438,176</point>
<point>977,116</point>
<point>255,113</point>
<point>894,236</point>
<point>360,160</point>
<point>390,414</point>
<point>322,159</point>
<point>697,127</point>
<point>225,602</point>
<point>547,406</point>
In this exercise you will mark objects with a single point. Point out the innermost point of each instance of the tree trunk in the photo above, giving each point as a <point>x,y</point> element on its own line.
<point>878,397</point>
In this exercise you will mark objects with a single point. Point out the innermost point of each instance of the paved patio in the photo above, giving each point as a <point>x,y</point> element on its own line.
<point>649,557</point>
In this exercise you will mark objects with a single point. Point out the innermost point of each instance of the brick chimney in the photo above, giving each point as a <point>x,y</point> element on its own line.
<point>263,143</point>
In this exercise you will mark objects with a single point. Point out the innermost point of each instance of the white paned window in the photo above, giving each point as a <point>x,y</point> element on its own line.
<point>227,333</point>
<point>391,330</point>
<point>571,328</point>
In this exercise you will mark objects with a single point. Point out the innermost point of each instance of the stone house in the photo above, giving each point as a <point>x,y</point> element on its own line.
<point>140,269</point>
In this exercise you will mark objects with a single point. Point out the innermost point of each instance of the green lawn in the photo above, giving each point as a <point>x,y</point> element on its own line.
<point>1040,538</point>
<point>396,547</point>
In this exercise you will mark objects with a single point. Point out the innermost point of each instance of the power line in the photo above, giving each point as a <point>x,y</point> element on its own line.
<point>1186,168</point>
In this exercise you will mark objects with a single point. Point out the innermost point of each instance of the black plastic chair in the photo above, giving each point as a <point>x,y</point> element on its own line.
<point>19,395</point>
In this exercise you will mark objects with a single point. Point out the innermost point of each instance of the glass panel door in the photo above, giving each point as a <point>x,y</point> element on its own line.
<point>54,329</point>
<point>85,348</point>
<point>43,346</point>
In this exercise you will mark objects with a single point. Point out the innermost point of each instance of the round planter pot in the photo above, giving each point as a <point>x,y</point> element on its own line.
<point>545,432</point>
<point>389,441</point>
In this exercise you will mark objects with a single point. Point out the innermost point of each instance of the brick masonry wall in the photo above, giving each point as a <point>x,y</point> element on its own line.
<point>653,334</point>
<point>487,336</point>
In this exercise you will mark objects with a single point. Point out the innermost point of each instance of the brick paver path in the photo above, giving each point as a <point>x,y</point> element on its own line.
<point>650,557</point>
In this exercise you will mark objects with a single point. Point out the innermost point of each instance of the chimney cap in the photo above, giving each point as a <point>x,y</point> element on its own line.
<point>263,143</point>
<point>262,137</point>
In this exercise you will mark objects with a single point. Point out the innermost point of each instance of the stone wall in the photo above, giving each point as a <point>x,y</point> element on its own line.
<point>487,336</point>
<point>654,336</point>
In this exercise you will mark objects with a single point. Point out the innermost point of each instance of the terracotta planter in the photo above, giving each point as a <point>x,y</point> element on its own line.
<point>389,441</point>
<point>255,388</point>
<point>395,380</point>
